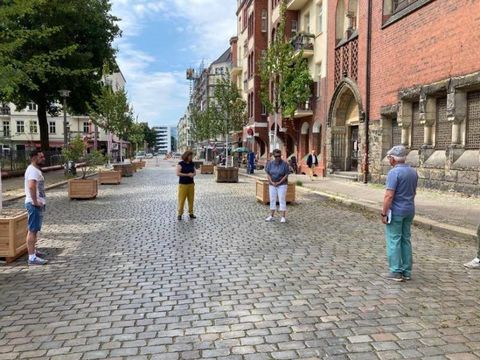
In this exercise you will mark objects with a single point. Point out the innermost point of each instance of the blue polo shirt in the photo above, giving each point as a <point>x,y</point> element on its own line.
<point>403,180</point>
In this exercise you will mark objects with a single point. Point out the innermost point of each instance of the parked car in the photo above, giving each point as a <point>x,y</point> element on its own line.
<point>140,155</point>
<point>149,155</point>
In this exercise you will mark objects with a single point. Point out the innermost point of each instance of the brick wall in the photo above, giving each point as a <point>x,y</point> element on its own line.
<point>435,42</point>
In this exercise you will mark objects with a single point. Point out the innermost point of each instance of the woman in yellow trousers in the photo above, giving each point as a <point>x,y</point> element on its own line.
<point>186,187</point>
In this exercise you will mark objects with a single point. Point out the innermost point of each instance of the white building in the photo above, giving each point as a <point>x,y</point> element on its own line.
<point>19,128</point>
<point>164,139</point>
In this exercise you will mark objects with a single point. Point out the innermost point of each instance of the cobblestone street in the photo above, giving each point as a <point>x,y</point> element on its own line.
<point>127,280</point>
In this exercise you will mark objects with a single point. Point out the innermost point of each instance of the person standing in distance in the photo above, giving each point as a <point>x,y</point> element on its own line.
<point>398,213</point>
<point>35,201</point>
<point>277,171</point>
<point>312,162</point>
<point>186,187</point>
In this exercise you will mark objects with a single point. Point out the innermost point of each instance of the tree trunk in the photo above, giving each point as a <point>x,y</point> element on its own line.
<point>43,125</point>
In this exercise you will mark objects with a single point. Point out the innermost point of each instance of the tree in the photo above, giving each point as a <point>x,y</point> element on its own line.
<point>285,73</point>
<point>150,135</point>
<point>228,109</point>
<point>51,45</point>
<point>136,135</point>
<point>202,124</point>
<point>111,111</point>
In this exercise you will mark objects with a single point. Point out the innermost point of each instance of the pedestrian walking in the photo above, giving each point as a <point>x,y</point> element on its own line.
<point>293,164</point>
<point>186,188</point>
<point>35,201</point>
<point>475,263</point>
<point>398,213</point>
<point>251,162</point>
<point>312,162</point>
<point>277,171</point>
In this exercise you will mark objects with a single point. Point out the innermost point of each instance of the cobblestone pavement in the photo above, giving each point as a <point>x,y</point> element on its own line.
<point>127,280</point>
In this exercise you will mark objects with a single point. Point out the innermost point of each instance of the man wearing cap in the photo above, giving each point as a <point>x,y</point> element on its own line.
<point>398,212</point>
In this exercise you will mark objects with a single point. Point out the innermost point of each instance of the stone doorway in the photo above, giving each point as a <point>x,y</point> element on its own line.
<point>345,133</point>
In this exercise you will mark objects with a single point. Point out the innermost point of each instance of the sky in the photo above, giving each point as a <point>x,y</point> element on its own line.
<point>160,40</point>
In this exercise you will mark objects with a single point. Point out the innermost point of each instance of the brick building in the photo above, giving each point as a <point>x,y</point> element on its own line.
<point>247,47</point>
<point>415,82</point>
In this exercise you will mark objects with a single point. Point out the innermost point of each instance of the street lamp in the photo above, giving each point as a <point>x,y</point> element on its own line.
<point>64,94</point>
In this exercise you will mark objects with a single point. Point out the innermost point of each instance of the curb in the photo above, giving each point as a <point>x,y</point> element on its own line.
<point>419,221</point>
<point>49,187</point>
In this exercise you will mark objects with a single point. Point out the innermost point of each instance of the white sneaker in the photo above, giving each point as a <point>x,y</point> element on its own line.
<point>270,218</point>
<point>474,264</point>
<point>283,220</point>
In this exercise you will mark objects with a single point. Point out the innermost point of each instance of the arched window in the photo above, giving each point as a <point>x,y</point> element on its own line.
<point>340,21</point>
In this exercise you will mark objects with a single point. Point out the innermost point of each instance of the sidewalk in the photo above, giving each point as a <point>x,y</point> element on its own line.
<point>435,210</point>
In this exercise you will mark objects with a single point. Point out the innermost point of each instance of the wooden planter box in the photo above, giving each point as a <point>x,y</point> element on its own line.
<point>263,195</point>
<point>206,169</point>
<point>125,169</point>
<point>13,233</point>
<point>83,188</point>
<point>226,175</point>
<point>136,166</point>
<point>110,177</point>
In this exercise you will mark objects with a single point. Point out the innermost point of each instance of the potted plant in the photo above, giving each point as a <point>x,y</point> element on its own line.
<point>13,231</point>
<point>83,188</point>
<point>263,195</point>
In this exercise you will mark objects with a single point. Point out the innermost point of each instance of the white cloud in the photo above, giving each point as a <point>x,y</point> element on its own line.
<point>162,96</point>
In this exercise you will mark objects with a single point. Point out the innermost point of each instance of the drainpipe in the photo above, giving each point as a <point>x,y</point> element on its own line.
<point>367,98</point>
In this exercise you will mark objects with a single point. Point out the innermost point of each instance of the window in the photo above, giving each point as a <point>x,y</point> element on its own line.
<point>52,128</point>
<point>264,21</point>
<point>4,109</point>
<point>473,121</point>
<point>306,25</point>
<point>86,127</point>
<point>396,133</point>
<point>319,18</point>
<point>244,18</point>
<point>250,26</point>
<point>400,7</point>
<point>245,48</point>
<point>20,126</point>
<point>33,127</point>
<point>443,135</point>
<point>417,129</point>
<point>294,26</point>
<point>31,106</point>
<point>318,71</point>
<point>264,109</point>
<point>6,128</point>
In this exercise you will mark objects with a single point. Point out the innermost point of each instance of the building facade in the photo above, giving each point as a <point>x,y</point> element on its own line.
<point>405,72</point>
<point>164,143</point>
<point>19,129</point>
<point>184,133</point>
<point>247,49</point>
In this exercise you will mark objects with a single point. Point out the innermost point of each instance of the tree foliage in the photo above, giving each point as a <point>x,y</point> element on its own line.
<point>49,45</point>
<point>228,107</point>
<point>112,112</point>
<point>284,74</point>
<point>77,152</point>
<point>136,134</point>
<point>202,124</point>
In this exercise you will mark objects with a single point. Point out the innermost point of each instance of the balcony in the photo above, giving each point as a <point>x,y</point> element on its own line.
<point>304,110</point>
<point>296,4</point>
<point>304,42</point>
<point>237,68</point>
